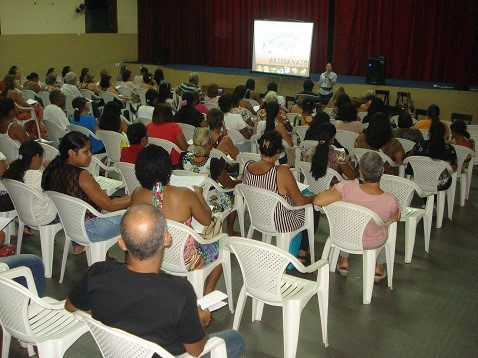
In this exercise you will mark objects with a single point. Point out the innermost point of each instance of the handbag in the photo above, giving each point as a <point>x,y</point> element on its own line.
<point>214,228</point>
<point>7,250</point>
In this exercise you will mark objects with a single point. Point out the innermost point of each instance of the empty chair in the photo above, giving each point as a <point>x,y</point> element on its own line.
<point>116,343</point>
<point>129,176</point>
<point>465,160</point>
<point>42,322</point>
<point>263,270</point>
<point>72,216</point>
<point>174,263</point>
<point>346,235</point>
<point>426,173</point>
<point>262,205</point>
<point>55,132</point>
<point>404,189</point>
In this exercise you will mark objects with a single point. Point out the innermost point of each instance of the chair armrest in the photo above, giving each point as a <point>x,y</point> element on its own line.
<point>218,237</point>
<point>21,271</point>
<point>311,268</point>
<point>109,214</point>
<point>212,344</point>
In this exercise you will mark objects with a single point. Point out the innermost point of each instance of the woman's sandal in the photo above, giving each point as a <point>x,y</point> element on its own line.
<point>343,271</point>
<point>304,260</point>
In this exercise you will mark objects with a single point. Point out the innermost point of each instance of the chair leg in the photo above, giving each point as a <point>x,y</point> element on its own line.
<point>47,241</point>
<point>326,252</point>
<point>440,208</point>
<point>250,232</point>
<point>21,227</point>
<point>323,298</point>
<point>291,312</point>
<point>410,234</point>
<point>65,257</point>
<point>310,232</point>
<point>257,309</point>
<point>369,260</point>
<point>333,258</point>
<point>241,302</point>
<point>463,186</point>
<point>226,269</point>
<point>450,197</point>
<point>7,338</point>
<point>427,221</point>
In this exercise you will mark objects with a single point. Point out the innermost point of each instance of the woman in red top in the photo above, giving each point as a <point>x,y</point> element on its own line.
<point>163,127</point>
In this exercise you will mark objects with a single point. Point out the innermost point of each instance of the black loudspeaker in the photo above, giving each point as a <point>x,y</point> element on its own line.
<point>161,56</point>
<point>376,71</point>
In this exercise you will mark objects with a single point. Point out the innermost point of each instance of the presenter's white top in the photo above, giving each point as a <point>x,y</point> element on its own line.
<point>327,84</point>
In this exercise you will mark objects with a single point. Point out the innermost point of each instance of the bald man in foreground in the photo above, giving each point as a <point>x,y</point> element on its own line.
<point>137,298</point>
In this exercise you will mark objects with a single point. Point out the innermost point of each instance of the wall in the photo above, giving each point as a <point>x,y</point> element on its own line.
<point>449,101</point>
<point>36,35</point>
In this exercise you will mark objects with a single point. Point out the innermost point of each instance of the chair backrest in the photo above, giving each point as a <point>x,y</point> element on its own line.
<point>299,132</point>
<point>216,153</point>
<point>425,132</point>
<point>361,115</point>
<point>330,112</point>
<point>291,118</point>
<point>112,141</point>
<point>236,136</point>
<point>9,148</point>
<point>116,343</point>
<point>107,96</point>
<point>244,157</point>
<point>188,131</point>
<point>166,144</point>
<point>50,152</point>
<point>45,97</point>
<point>142,95</point>
<point>462,153</point>
<point>23,198</point>
<point>407,144</point>
<point>81,129</point>
<point>254,143</point>
<point>402,188</point>
<point>472,129</point>
<point>347,140</point>
<point>262,266</point>
<point>253,102</point>
<point>69,105</point>
<point>86,93</point>
<point>358,152</point>
<point>29,94</point>
<point>55,132</point>
<point>14,301</point>
<point>145,121</point>
<point>318,185</point>
<point>72,213</point>
<point>128,174</point>
<point>262,205</point>
<point>427,171</point>
<point>348,233</point>
<point>173,260</point>
<point>125,91</point>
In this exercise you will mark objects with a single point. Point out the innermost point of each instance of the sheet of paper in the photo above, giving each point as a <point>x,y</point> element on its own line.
<point>31,101</point>
<point>186,181</point>
<point>302,186</point>
<point>212,301</point>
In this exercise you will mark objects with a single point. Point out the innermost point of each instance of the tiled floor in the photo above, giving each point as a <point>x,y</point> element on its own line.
<point>430,312</point>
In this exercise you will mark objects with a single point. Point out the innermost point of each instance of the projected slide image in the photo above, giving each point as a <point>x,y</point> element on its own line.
<point>282,47</point>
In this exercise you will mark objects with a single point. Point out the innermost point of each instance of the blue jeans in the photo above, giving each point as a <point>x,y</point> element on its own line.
<point>34,263</point>
<point>102,229</point>
<point>234,343</point>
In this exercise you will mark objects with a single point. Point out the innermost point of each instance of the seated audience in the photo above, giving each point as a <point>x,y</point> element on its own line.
<point>347,120</point>
<point>307,115</point>
<point>83,73</point>
<point>370,195</point>
<point>367,97</point>
<point>270,123</point>
<point>51,83</point>
<point>405,130</point>
<point>188,114</point>
<point>152,100</point>
<point>212,96</point>
<point>333,101</point>
<point>242,111</point>
<point>459,134</point>
<point>148,82</point>
<point>54,111</point>
<point>9,128</point>
<point>81,117</point>
<point>138,79</point>
<point>69,87</point>
<point>219,138</point>
<point>201,107</point>
<point>308,87</point>
<point>251,92</point>
<point>376,105</point>
<point>163,127</point>
<point>123,69</point>
<point>281,115</point>
<point>240,91</point>
<point>110,119</point>
<point>148,303</point>
<point>32,83</point>
<point>232,120</point>
<point>378,136</point>
<point>138,139</point>
<point>433,113</point>
<point>191,86</point>
<point>107,86</point>
<point>89,83</point>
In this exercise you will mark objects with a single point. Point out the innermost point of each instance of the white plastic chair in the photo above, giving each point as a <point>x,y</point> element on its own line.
<point>166,144</point>
<point>112,141</point>
<point>33,117</point>
<point>330,112</point>
<point>50,152</point>
<point>237,138</point>
<point>425,133</point>
<point>318,185</point>
<point>404,189</point>
<point>426,173</point>
<point>87,93</point>
<point>109,185</point>
<point>45,97</point>
<point>9,148</point>
<point>29,94</point>
<point>358,152</point>
<point>407,144</point>
<point>109,96</point>
<point>142,95</point>
<point>174,264</point>
<point>129,176</point>
<point>262,205</point>
<point>347,140</point>
<point>42,322</point>
<point>465,174</point>
<point>254,143</point>
<point>253,102</point>
<point>244,157</point>
<point>263,270</point>
<point>69,105</point>
<point>72,216</point>
<point>144,120</point>
<point>216,153</point>
<point>116,343</point>
<point>298,134</point>
<point>210,105</point>
<point>188,131</point>
<point>361,115</point>
<point>55,132</point>
<point>23,198</point>
<point>346,235</point>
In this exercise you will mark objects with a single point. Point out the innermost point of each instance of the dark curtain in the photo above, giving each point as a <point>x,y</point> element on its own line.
<point>421,40</point>
<point>220,33</point>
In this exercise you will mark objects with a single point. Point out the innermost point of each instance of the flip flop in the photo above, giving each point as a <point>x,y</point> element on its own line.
<point>79,252</point>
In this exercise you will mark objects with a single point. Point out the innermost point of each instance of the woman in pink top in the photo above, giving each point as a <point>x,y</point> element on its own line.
<point>163,127</point>
<point>370,195</point>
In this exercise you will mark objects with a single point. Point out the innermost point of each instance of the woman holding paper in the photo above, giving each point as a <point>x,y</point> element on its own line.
<point>153,171</point>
